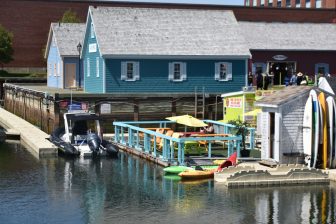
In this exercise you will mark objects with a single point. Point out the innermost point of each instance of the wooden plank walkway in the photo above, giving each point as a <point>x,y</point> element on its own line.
<point>31,137</point>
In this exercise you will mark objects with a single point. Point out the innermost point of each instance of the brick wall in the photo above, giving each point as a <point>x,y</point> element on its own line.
<point>30,21</point>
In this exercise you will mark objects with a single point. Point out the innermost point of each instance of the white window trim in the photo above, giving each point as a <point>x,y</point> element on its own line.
<point>55,72</point>
<point>136,71</point>
<point>228,72</point>
<point>88,67</point>
<point>97,67</point>
<point>183,75</point>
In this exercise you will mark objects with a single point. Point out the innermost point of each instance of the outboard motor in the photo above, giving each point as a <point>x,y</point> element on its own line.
<point>93,141</point>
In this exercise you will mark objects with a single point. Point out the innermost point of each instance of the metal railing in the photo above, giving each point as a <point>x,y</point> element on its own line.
<point>133,135</point>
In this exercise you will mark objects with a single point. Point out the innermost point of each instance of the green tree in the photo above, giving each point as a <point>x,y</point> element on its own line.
<point>240,129</point>
<point>70,16</point>
<point>6,46</point>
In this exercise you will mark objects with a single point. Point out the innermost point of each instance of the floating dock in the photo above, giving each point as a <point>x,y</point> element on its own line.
<point>31,137</point>
<point>257,175</point>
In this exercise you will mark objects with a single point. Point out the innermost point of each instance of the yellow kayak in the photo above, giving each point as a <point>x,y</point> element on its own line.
<point>197,174</point>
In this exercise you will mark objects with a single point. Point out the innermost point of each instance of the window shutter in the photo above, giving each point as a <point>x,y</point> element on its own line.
<point>171,71</point>
<point>123,70</point>
<point>183,71</point>
<point>136,71</point>
<point>217,67</point>
<point>229,72</point>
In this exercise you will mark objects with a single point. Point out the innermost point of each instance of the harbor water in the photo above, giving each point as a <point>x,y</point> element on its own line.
<point>130,190</point>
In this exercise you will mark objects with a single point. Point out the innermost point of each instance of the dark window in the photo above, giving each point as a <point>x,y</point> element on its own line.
<point>130,70</point>
<point>321,70</point>
<point>279,3</point>
<point>177,71</point>
<point>288,3</point>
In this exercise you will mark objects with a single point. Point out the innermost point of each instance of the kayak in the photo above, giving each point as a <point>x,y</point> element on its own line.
<point>197,174</point>
<point>176,169</point>
<point>231,161</point>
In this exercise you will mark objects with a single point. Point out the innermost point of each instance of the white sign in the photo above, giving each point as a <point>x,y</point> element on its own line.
<point>92,48</point>
<point>280,57</point>
<point>105,108</point>
<point>235,102</point>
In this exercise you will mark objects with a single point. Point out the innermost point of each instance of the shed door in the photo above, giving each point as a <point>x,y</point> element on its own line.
<point>70,75</point>
<point>265,137</point>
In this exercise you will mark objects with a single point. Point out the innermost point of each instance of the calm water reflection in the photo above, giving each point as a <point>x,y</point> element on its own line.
<point>129,190</point>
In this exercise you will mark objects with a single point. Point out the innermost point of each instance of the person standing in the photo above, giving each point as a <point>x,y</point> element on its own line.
<point>250,79</point>
<point>259,81</point>
<point>292,80</point>
<point>299,78</point>
<point>266,81</point>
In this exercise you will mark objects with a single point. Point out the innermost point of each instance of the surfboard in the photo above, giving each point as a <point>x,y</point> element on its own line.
<point>331,126</point>
<point>315,127</point>
<point>324,151</point>
<point>308,130</point>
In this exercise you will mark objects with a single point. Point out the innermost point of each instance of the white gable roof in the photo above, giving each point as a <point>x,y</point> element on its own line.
<point>289,36</point>
<point>168,32</point>
<point>67,36</point>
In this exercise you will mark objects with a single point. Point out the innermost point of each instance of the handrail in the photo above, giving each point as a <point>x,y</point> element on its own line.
<point>167,142</point>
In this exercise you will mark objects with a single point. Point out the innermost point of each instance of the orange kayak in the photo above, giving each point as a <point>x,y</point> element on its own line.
<point>197,174</point>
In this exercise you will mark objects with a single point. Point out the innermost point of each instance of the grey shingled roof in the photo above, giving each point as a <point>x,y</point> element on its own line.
<point>167,32</point>
<point>67,36</point>
<point>283,96</point>
<point>289,36</point>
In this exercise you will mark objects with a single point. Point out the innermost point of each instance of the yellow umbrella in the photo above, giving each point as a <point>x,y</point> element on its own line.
<point>254,112</point>
<point>187,120</point>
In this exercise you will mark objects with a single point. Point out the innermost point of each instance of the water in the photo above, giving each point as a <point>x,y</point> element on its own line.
<point>130,190</point>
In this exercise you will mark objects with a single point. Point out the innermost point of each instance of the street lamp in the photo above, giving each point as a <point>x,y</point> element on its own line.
<point>79,49</point>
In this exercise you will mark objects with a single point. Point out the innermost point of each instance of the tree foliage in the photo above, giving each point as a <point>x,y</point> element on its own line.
<point>241,129</point>
<point>70,16</point>
<point>6,46</point>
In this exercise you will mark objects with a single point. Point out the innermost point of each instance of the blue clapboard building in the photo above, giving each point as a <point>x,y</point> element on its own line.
<point>148,50</point>
<point>62,53</point>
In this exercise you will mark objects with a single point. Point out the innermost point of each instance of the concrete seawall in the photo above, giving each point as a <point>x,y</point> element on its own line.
<point>31,137</point>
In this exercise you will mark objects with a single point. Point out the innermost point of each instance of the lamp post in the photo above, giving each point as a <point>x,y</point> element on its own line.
<point>79,49</point>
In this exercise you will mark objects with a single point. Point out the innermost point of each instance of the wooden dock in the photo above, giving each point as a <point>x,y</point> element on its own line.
<point>255,175</point>
<point>31,137</point>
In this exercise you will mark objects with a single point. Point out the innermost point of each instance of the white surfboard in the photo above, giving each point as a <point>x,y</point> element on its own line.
<point>331,120</point>
<point>308,130</point>
<point>315,128</point>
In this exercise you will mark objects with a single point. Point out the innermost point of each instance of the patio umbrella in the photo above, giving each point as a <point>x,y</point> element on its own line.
<point>254,112</point>
<point>187,120</point>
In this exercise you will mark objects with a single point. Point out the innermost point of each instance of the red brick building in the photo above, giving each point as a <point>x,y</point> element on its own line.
<point>330,4</point>
<point>29,21</point>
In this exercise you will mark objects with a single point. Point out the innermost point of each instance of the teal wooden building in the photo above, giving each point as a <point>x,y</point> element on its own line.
<point>63,55</point>
<point>148,50</point>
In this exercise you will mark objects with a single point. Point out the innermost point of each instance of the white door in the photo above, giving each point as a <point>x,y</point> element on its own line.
<point>265,135</point>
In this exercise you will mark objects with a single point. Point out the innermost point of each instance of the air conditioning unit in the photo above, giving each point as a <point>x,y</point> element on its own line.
<point>248,89</point>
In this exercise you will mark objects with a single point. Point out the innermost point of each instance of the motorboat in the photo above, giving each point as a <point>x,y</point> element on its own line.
<point>82,136</point>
